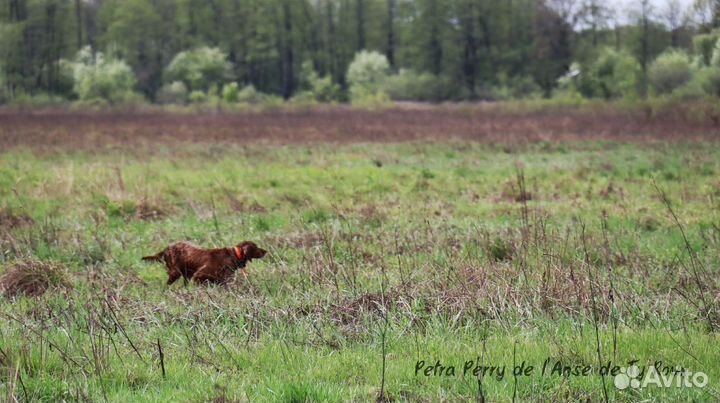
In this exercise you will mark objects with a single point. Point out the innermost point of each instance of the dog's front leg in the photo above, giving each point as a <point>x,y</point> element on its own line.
<point>174,275</point>
<point>202,276</point>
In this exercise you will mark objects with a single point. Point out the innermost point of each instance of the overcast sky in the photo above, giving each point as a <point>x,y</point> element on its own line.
<point>660,3</point>
<point>623,7</point>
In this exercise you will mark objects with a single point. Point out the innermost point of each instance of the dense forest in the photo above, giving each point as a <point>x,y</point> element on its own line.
<point>433,50</point>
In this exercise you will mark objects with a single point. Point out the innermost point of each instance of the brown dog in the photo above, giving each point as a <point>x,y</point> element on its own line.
<point>206,265</point>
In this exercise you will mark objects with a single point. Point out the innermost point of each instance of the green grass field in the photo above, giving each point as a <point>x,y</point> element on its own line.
<point>380,256</point>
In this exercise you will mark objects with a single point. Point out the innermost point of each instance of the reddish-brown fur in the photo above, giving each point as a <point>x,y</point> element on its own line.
<point>205,265</point>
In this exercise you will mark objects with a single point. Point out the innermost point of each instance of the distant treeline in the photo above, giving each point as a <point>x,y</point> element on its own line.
<point>177,51</point>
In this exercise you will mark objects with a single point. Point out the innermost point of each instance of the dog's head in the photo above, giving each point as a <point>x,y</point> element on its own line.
<point>250,250</point>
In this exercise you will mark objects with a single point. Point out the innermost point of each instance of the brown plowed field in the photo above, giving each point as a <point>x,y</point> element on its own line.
<point>73,129</point>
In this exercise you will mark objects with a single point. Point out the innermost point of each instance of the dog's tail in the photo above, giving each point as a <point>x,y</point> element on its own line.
<point>155,258</point>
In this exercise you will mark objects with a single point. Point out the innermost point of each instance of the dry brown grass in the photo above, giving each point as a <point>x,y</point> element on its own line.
<point>51,129</point>
<point>32,278</point>
<point>9,219</point>
<point>147,211</point>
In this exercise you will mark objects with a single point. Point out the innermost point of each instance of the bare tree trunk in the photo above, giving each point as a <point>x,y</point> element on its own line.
<point>469,64</point>
<point>52,38</point>
<point>331,41</point>
<point>78,23</point>
<point>511,25</point>
<point>288,85</point>
<point>91,9</point>
<point>360,21</point>
<point>644,45</point>
<point>673,17</point>
<point>390,50</point>
<point>488,37</point>
<point>436,53</point>
<point>16,13</point>
<point>314,38</point>
<point>594,14</point>
<point>217,20</point>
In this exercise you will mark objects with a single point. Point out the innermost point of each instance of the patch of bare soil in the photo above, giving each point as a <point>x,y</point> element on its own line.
<point>50,129</point>
<point>11,220</point>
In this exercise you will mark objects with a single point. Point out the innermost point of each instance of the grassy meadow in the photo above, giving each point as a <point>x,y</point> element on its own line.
<point>382,255</point>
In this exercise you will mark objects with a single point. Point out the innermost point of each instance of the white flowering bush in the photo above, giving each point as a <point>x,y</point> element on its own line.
<point>365,75</point>
<point>367,69</point>
<point>200,68</point>
<point>96,77</point>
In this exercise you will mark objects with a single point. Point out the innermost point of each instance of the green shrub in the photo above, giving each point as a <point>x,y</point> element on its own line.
<point>617,73</point>
<point>197,97</point>
<point>316,88</point>
<point>612,74</point>
<point>249,95</point>
<point>368,98</point>
<point>671,70</point>
<point>38,99</point>
<point>303,98</point>
<point>325,90</point>
<point>709,79</point>
<point>200,68</point>
<point>704,46</point>
<point>519,87</point>
<point>566,96</point>
<point>98,78</point>
<point>715,61</point>
<point>230,93</point>
<point>174,93</point>
<point>693,89</point>
<point>524,87</point>
<point>408,85</point>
